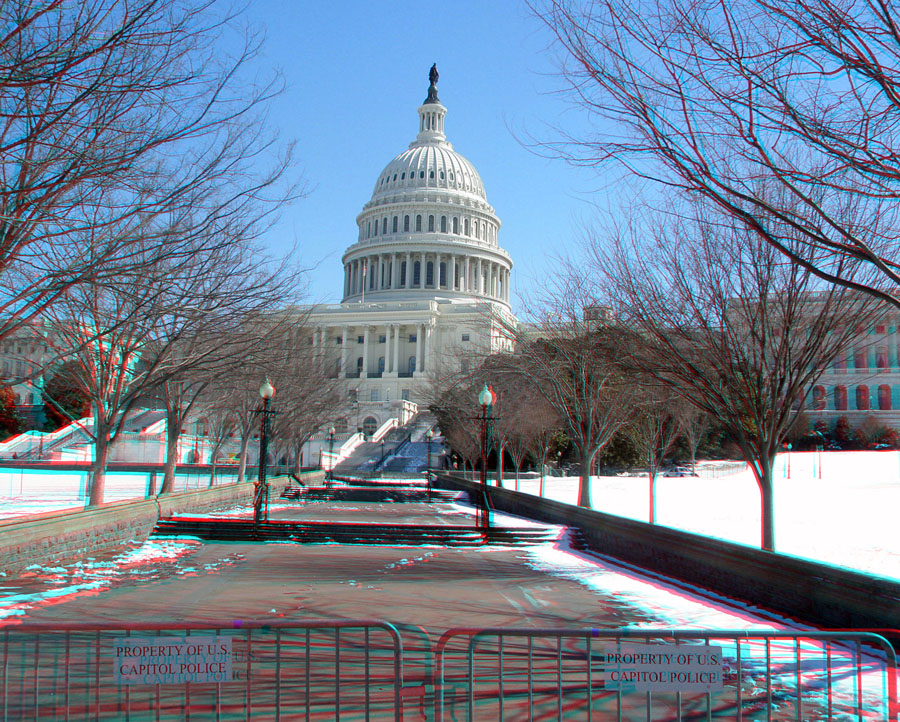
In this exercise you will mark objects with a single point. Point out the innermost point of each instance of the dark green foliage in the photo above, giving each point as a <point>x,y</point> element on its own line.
<point>10,421</point>
<point>619,453</point>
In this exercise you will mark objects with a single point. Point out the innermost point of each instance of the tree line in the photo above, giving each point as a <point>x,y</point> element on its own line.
<point>137,178</point>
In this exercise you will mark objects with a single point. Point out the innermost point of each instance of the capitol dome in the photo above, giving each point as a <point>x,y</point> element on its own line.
<point>428,230</point>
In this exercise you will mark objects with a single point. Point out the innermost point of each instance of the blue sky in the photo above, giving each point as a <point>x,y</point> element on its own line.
<point>356,73</point>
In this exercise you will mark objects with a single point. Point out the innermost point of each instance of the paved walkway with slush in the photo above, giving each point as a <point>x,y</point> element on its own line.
<point>435,587</point>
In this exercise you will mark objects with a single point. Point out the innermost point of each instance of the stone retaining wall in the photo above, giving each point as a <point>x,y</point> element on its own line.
<point>819,594</point>
<point>54,537</point>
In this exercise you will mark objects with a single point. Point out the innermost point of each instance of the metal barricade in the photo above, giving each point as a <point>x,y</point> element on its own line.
<point>322,670</point>
<point>651,674</point>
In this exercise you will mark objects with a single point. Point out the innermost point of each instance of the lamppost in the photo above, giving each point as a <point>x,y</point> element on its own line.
<point>381,460</point>
<point>329,477</point>
<point>261,492</point>
<point>429,435</point>
<point>486,400</point>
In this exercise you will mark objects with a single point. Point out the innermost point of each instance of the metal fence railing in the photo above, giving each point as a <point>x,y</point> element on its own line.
<point>293,671</point>
<point>363,670</point>
<point>599,674</point>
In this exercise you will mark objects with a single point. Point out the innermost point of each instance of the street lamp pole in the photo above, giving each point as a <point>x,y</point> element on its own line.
<point>486,400</point>
<point>261,492</point>
<point>429,435</point>
<point>329,477</point>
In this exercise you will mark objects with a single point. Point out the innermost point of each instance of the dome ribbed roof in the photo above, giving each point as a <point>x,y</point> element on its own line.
<point>429,165</point>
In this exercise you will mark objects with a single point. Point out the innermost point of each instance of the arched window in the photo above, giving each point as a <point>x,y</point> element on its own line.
<point>396,221</point>
<point>860,360</point>
<point>384,225</point>
<point>466,231</point>
<point>431,224</point>
<point>395,176</point>
<point>455,225</point>
<point>881,358</point>
<point>417,273</point>
<point>405,224</point>
<point>431,175</point>
<point>840,398</point>
<point>370,425</point>
<point>840,363</point>
<point>477,230</point>
<point>376,228</point>
<point>418,223</point>
<point>862,397</point>
<point>818,398</point>
<point>403,175</point>
<point>884,397</point>
<point>381,364</point>
<point>443,224</point>
<point>429,273</point>
<point>359,363</point>
<point>403,273</point>
<point>421,174</point>
<point>442,175</point>
<point>443,273</point>
<point>412,364</point>
<point>369,229</point>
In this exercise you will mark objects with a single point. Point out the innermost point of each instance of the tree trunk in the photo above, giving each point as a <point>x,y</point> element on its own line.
<point>242,464</point>
<point>98,468</point>
<point>168,484</point>
<point>212,471</point>
<point>584,484</point>
<point>763,471</point>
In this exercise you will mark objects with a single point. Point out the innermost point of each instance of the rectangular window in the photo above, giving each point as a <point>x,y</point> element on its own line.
<point>412,338</point>
<point>404,394</point>
<point>338,340</point>
<point>382,339</point>
<point>360,339</point>
<point>374,395</point>
<point>465,337</point>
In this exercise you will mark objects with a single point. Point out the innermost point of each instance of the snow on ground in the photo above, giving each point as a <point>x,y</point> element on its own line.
<point>34,491</point>
<point>41,585</point>
<point>833,507</point>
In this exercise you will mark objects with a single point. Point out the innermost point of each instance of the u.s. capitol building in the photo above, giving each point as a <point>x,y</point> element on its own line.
<point>426,283</point>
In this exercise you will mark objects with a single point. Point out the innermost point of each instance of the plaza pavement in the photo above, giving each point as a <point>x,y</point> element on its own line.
<point>434,587</point>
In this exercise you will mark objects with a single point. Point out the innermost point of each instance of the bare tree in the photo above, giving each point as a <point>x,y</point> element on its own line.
<point>731,326</point>
<point>571,360</point>
<point>451,398</point>
<point>731,100</point>
<point>126,129</point>
<point>653,430</point>
<point>694,424</point>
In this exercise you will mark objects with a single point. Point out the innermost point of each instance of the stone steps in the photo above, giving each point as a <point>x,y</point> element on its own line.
<point>351,533</point>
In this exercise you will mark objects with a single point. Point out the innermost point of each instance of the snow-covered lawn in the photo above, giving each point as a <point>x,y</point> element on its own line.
<point>33,491</point>
<point>846,518</point>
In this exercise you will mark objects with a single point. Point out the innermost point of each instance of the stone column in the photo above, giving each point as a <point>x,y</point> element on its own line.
<point>422,275</point>
<point>408,279</point>
<point>426,350</point>
<point>396,363</point>
<point>342,369</point>
<point>479,284</point>
<point>387,348</point>
<point>419,331</point>
<point>467,282</point>
<point>365,363</point>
